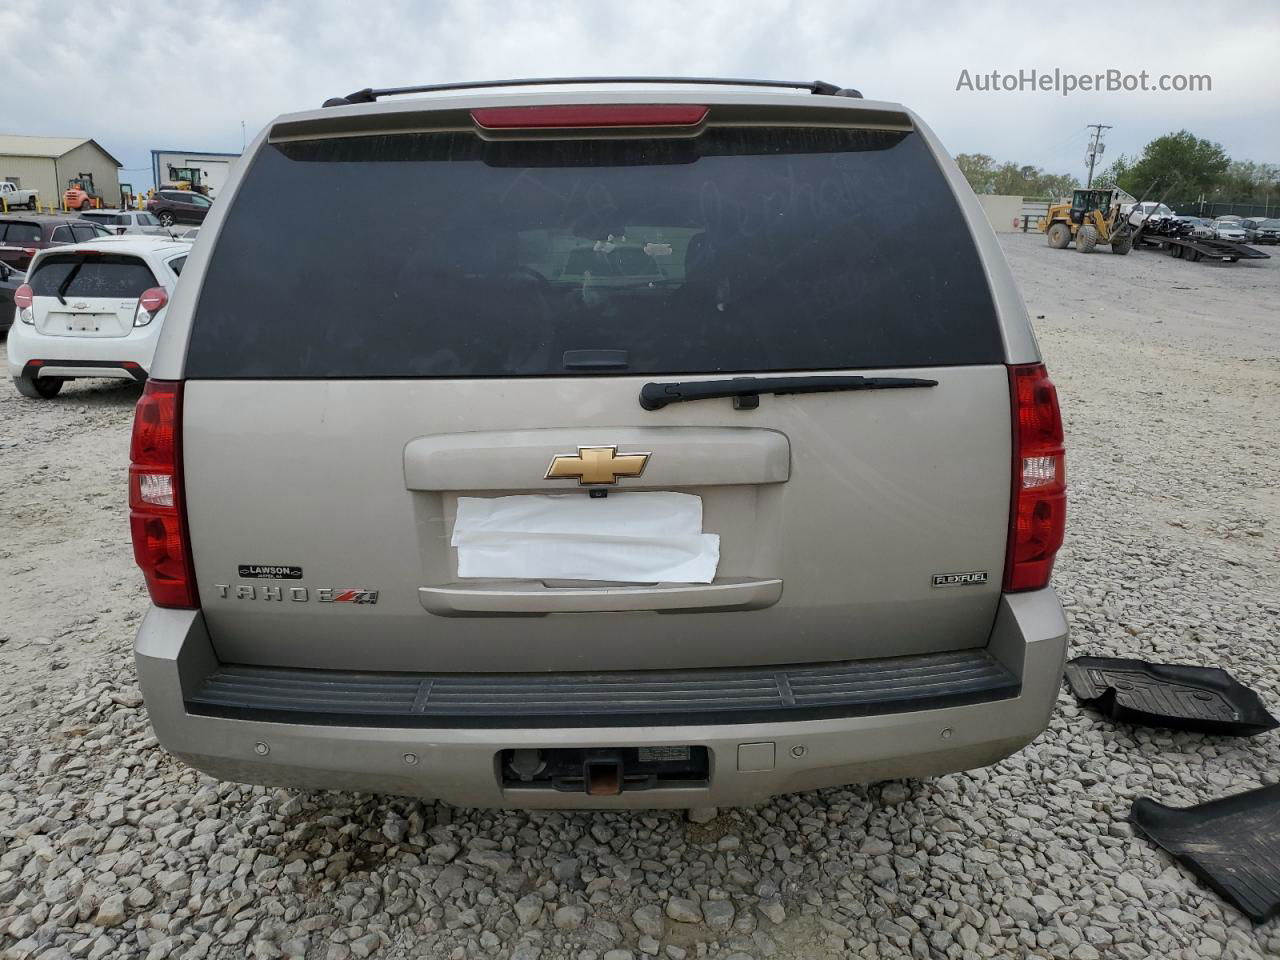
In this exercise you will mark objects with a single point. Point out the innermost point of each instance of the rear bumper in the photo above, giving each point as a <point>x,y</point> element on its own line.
<point>105,369</point>
<point>122,358</point>
<point>459,763</point>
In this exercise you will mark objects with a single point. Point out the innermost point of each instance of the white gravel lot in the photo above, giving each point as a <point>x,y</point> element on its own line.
<point>1170,377</point>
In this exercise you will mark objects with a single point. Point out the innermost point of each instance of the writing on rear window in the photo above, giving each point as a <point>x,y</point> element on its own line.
<point>91,275</point>
<point>444,255</point>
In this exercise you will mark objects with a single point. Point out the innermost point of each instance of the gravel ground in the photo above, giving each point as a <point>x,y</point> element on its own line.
<point>1169,375</point>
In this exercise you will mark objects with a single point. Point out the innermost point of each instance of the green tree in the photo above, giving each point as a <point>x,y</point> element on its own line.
<point>1012,179</point>
<point>1248,182</point>
<point>1056,185</point>
<point>1180,160</point>
<point>978,169</point>
<point>1117,173</point>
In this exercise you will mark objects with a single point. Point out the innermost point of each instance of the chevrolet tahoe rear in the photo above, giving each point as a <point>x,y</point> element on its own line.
<point>660,445</point>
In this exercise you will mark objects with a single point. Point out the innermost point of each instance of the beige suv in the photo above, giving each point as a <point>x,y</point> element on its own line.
<point>659,444</point>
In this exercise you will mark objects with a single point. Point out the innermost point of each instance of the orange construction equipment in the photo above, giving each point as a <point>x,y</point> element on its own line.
<point>80,194</point>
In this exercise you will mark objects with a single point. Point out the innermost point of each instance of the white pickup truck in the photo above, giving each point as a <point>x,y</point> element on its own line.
<point>15,196</point>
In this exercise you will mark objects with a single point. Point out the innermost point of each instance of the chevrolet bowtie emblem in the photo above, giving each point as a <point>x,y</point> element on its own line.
<point>596,465</point>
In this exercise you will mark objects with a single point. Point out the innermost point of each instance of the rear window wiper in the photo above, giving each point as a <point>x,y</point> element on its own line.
<point>746,390</point>
<point>62,287</point>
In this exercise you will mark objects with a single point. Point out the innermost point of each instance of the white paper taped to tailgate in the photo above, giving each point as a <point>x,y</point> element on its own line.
<point>624,537</point>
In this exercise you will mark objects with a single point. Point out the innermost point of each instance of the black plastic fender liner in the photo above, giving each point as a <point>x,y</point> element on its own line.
<point>1180,697</point>
<point>1232,844</point>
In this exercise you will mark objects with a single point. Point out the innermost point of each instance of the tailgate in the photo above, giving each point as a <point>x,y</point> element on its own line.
<point>496,328</point>
<point>834,512</point>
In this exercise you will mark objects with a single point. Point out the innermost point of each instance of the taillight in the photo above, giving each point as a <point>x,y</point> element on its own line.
<point>1038,514</point>
<point>157,515</point>
<point>569,116</point>
<point>23,297</point>
<point>149,304</point>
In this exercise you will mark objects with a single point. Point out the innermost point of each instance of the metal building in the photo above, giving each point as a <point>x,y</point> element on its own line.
<point>47,163</point>
<point>214,168</point>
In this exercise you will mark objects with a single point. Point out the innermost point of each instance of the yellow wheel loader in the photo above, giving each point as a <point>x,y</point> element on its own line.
<point>1092,217</point>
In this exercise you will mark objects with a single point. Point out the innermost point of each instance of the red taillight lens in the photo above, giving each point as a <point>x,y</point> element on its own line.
<point>149,304</point>
<point>1038,516</point>
<point>22,297</point>
<point>153,299</point>
<point>157,515</point>
<point>577,117</point>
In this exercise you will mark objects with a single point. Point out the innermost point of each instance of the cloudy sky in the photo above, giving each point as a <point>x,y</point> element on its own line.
<point>138,74</point>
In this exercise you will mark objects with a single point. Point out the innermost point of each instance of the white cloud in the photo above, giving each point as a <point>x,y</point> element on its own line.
<point>156,74</point>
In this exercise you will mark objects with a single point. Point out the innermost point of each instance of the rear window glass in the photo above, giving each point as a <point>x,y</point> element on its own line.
<point>20,233</point>
<point>105,275</point>
<point>743,249</point>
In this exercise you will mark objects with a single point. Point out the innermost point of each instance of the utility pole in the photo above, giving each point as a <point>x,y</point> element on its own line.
<point>1096,148</point>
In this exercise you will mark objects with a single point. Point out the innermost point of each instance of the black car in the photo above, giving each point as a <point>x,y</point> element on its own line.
<point>179,206</point>
<point>10,280</point>
<point>1262,231</point>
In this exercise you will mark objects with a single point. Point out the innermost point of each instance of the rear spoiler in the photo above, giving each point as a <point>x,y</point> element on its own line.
<point>455,114</point>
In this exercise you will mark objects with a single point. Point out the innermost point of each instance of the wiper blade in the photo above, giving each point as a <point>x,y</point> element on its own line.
<point>746,390</point>
<point>62,287</point>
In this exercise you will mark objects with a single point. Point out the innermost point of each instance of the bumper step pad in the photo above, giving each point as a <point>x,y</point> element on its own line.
<point>1203,699</point>
<point>1232,844</point>
<point>624,698</point>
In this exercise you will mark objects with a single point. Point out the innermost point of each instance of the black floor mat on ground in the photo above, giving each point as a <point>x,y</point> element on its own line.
<point>1232,844</point>
<point>1168,695</point>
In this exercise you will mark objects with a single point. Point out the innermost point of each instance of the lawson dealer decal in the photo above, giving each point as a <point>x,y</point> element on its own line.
<point>267,571</point>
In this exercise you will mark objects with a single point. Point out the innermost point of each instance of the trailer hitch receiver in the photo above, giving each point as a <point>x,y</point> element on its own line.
<point>603,776</point>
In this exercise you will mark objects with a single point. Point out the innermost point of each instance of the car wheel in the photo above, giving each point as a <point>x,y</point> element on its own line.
<point>165,218</point>
<point>38,388</point>
<point>1086,239</point>
<point>1059,236</point>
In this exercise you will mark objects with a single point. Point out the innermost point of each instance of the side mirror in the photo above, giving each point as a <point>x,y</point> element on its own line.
<point>5,272</point>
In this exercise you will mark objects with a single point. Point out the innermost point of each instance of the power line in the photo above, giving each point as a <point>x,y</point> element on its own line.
<point>1096,148</point>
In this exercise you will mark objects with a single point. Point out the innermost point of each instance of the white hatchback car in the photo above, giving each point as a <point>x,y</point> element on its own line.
<point>92,309</point>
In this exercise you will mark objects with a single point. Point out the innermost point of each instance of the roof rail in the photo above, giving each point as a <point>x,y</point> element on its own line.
<point>369,95</point>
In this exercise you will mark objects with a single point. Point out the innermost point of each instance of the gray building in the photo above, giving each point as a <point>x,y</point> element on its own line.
<point>47,163</point>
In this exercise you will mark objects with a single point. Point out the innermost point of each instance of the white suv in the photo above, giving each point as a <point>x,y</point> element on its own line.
<point>92,309</point>
<point>127,222</point>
